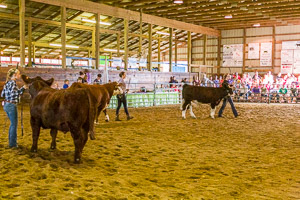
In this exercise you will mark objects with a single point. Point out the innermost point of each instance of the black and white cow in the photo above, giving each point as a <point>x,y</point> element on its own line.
<point>207,95</point>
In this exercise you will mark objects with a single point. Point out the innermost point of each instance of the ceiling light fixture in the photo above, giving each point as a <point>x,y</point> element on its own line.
<point>59,45</point>
<point>113,50</point>
<point>228,16</point>
<point>256,25</point>
<point>178,1</point>
<point>3,6</point>
<point>162,33</point>
<point>93,21</point>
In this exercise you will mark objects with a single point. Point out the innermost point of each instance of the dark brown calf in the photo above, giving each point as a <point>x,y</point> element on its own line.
<point>65,110</point>
<point>102,95</point>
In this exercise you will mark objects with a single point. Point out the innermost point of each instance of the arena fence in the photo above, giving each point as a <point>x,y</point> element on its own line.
<point>145,95</point>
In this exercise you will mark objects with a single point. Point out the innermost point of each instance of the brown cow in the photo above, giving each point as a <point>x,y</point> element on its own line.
<point>64,110</point>
<point>102,94</point>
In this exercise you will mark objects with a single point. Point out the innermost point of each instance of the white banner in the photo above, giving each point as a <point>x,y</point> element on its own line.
<point>296,67</point>
<point>266,54</point>
<point>143,62</point>
<point>132,62</point>
<point>117,62</point>
<point>287,60</point>
<point>253,51</point>
<point>291,45</point>
<point>233,55</point>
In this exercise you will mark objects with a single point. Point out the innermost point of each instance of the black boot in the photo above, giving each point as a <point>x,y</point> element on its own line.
<point>129,117</point>
<point>117,118</point>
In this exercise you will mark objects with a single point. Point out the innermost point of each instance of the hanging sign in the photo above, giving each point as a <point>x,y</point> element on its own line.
<point>132,62</point>
<point>233,55</point>
<point>266,54</point>
<point>253,51</point>
<point>117,62</point>
<point>296,67</point>
<point>287,59</point>
<point>291,45</point>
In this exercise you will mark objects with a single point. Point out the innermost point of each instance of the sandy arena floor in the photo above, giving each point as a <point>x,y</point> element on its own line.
<point>157,155</point>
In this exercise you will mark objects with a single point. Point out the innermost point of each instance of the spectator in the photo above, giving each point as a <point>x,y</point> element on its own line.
<point>66,84</point>
<point>83,77</point>
<point>98,80</point>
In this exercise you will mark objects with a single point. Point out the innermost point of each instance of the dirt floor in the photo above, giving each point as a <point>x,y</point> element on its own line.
<point>157,155</point>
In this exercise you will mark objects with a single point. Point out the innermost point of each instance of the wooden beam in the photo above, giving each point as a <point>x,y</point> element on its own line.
<point>158,54</point>
<point>63,37</point>
<point>22,31</point>
<point>126,44</point>
<point>141,32</point>
<point>118,44</point>
<point>189,51</point>
<point>175,43</point>
<point>149,47</point>
<point>29,39</point>
<point>92,7</point>
<point>97,38</point>
<point>244,50</point>
<point>170,49</point>
<point>273,47</point>
<point>219,55</point>
<point>204,49</point>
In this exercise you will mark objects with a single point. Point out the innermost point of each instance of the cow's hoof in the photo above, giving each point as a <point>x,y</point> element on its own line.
<point>96,122</point>
<point>107,120</point>
<point>92,137</point>
<point>52,147</point>
<point>194,117</point>
<point>183,117</point>
<point>33,150</point>
<point>212,117</point>
<point>77,161</point>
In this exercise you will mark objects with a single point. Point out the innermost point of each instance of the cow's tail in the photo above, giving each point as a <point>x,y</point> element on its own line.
<point>183,89</point>
<point>92,114</point>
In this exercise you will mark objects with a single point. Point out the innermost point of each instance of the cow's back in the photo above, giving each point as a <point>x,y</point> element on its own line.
<point>202,94</point>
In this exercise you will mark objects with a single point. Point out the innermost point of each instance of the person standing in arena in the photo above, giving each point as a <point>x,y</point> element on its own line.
<point>122,97</point>
<point>98,80</point>
<point>11,94</point>
<point>227,99</point>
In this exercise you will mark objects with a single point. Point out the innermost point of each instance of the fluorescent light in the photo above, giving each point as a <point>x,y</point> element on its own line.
<point>94,21</point>
<point>113,50</point>
<point>59,45</point>
<point>3,6</point>
<point>256,25</point>
<point>228,16</point>
<point>162,33</point>
<point>178,1</point>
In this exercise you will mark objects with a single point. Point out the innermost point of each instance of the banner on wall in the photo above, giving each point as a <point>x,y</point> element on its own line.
<point>291,45</point>
<point>143,62</point>
<point>233,55</point>
<point>266,54</point>
<point>117,62</point>
<point>287,61</point>
<point>296,67</point>
<point>253,51</point>
<point>132,62</point>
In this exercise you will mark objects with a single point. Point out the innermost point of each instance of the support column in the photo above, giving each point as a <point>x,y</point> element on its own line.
<point>219,55</point>
<point>93,43</point>
<point>149,47</point>
<point>63,36</point>
<point>118,44</point>
<point>141,33</point>
<point>158,53</point>
<point>204,49</point>
<point>273,47</point>
<point>125,44</point>
<point>189,51</point>
<point>33,52</point>
<point>176,58</point>
<point>170,48</point>
<point>244,50</point>
<point>22,31</point>
<point>29,35</point>
<point>97,38</point>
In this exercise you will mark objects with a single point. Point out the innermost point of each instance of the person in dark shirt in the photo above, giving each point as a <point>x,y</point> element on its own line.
<point>11,94</point>
<point>98,80</point>
<point>83,77</point>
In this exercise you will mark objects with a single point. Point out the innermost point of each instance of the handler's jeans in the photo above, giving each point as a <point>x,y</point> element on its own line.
<point>224,105</point>
<point>122,100</point>
<point>12,113</point>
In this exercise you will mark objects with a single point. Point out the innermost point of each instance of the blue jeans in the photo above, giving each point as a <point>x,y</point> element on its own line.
<point>122,100</point>
<point>224,105</point>
<point>12,113</point>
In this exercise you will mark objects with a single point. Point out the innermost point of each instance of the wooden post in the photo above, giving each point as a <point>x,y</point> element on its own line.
<point>29,35</point>
<point>204,49</point>
<point>176,58</point>
<point>94,43</point>
<point>158,53</point>
<point>170,48</point>
<point>125,44</point>
<point>110,57</point>
<point>97,38</point>
<point>63,36</point>
<point>33,52</point>
<point>219,55</point>
<point>22,31</point>
<point>118,44</point>
<point>273,48</point>
<point>244,50</point>
<point>189,51</point>
<point>149,47</point>
<point>141,32</point>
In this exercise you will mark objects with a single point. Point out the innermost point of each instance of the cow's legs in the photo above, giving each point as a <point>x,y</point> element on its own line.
<point>191,112</point>
<point>35,126</point>
<point>97,115</point>
<point>212,111</point>
<point>184,108</point>
<point>106,115</point>
<point>53,133</point>
<point>78,145</point>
